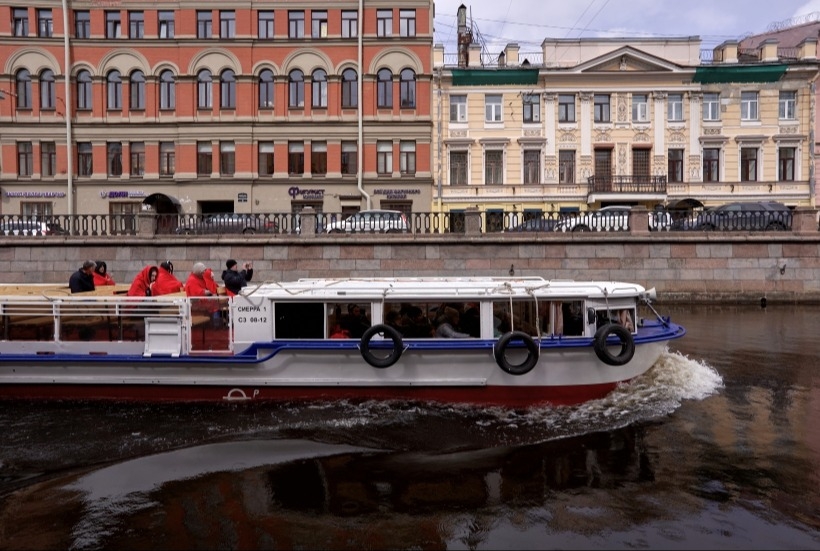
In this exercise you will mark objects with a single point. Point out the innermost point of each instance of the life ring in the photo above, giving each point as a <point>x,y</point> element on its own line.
<point>395,353</point>
<point>500,349</point>
<point>625,338</point>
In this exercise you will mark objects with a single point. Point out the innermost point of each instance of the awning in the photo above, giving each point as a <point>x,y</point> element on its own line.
<point>739,73</point>
<point>686,204</point>
<point>162,204</point>
<point>494,77</point>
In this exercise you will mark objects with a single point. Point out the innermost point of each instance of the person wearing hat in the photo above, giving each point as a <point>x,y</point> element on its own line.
<point>101,275</point>
<point>234,278</point>
<point>82,280</point>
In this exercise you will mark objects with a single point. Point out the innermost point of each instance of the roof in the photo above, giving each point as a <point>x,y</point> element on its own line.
<point>789,37</point>
<point>739,73</point>
<point>494,77</point>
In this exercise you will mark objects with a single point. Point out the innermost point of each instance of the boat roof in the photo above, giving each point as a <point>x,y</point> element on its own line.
<point>441,288</point>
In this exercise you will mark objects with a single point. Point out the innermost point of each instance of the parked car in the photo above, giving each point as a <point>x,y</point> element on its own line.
<point>611,218</point>
<point>379,221</point>
<point>246,224</point>
<point>738,216</point>
<point>536,225</point>
<point>31,227</point>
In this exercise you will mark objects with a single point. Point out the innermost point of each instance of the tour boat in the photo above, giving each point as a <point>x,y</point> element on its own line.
<point>506,341</point>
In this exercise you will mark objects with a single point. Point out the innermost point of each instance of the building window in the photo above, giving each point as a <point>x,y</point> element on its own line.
<point>167,158</point>
<point>136,24</point>
<point>266,89</point>
<point>603,166</point>
<point>566,107</point>
<point>296,24</point>
<point>204,24</point>
<point>785,164</point>
<point>492,108</point>
<point>265,30</point>
<point>114,158</point>
<point>48,159</point>
<point>296,89</point>
<point>532,107</point>
<point>350,158</point>
<point>318,24</point>
<point>601,108</point>
<point>350,24</point>
<point>165,20</point>
<point>48,96</point>
<point>20,21</point>
<point>137,150</point>
<point>458,108</point>
<point>227,90</point>
<point>136,89</point>
<point>31,208</point>
<point>113,87</point>
<point>204,99</point>
<point>493,166</point>
<point>384,22</point>
<point>227,158</point>
<point>45,23</point>
<point>25,159</point>
<point>384,158</point>
<point>566,166</point>
<point>265,158</point>
<point>532,166</point>
<point>748,106</point>
<point>674,107</point>
<point>85,159</point>
<point>318,89</point>
<point>640,165</point>
<point>204,158</point>
<point>350,93</point>
<point>640,108</point>
<point>675,167</point>
<point>84,90</point>
<point>407,22</point>
<point>711,164</point>
<point>23,79</point>
<point>113,25</point>
<point>384,89</point>
<point>296,158</point>
<point>748,164</point>
<point>407,89</point>
<point>82,24</point>
<point>407,158</point>
<point>318,158</point>
<point>167,90</point>
<point>711,107</point>
<point>227,24</point>
<point>458,168</point>
<point>787,108</point>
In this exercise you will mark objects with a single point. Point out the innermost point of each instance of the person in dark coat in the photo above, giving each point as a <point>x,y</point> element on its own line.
<point>235,279</point>
<point>82,280</point>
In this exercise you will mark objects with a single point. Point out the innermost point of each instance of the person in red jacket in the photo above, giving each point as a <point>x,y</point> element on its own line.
<point>167,282</point>
<point>101,275</point>
<point>201,283</point>
<point>143,282</point>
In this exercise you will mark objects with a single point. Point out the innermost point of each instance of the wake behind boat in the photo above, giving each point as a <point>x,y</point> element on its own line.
<point>514,341</point>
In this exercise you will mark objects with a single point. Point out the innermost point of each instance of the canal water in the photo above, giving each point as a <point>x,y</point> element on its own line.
<point>718,446</point>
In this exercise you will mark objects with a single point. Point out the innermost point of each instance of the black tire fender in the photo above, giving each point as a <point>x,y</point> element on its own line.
<point>500,349</point>
<point>373,359</point>
<point>625,338</point>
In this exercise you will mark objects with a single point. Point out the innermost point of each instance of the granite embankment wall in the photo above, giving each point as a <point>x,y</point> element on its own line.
<point>683,267</point>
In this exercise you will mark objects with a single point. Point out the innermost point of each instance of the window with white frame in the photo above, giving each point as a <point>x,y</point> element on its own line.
<point>787,108</point>
<point>532,166</point>
<point>640,108</point>
<point>566,166</point>
<point>493,166</point>
<point>407,157</point>
<point>785,163</point>
<point>748,106</point>
<point>748,164</point>
<point>458,168</point>
<point>566,107</point>
<point>458,108</point>
<point>675,165</point>
<point>600,105</point>
<point>711,106</point>
<point>384,158</point>
<point>532,107</point>
<point>492,108</point>
<point>674,107</point>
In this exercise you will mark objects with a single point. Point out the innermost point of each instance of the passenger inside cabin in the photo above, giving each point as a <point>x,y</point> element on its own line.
<point>416,324</point>
<point>471,320</point>
<point>573,318</point>
<point>101,275</point>
<point>447,324</point>
<point>625,319</point>
<point>356,321</point>
<point>82,280</point>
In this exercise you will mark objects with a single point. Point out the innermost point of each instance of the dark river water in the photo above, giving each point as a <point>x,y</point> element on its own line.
<point>718,446</point>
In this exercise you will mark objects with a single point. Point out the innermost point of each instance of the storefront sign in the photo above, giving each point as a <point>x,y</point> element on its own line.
<point>122,194</point>
<point>306,194</point>
<point>242,197</point>
<point>396,193</point>
<point>27,194</point>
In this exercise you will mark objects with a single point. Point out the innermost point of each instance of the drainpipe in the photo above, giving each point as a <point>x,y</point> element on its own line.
<point>69,156</point>
<point>439,128</point>
<point>359,87</point>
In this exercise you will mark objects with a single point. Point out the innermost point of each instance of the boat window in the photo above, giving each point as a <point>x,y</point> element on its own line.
<point>299,320</point>
<point>553,317</point>
<point>417,320</point>
<point>572,316</point>
<point>348,320</point>
<point>620,316</point>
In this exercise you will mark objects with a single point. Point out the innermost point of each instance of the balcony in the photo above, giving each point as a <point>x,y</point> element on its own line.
<point>627,184</point>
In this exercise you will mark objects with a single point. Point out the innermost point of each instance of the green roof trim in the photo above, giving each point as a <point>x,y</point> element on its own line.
<point>739,73</point>
<point>494,77</point>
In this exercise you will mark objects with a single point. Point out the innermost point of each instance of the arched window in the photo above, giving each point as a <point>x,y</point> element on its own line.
<point>84,98</point>
<point>266,89</point>
<point>384,89</point>
<point>203,87</point>
<point>136,91</point>
<point>48,96</point>
<point>350,94</point>
<point>167,90</point>
<point>408,89</point>
<point>227,90</point>
<point>319,89</point>
<point>296,89</point>
<point>114,90</point>
<point>23,78</point>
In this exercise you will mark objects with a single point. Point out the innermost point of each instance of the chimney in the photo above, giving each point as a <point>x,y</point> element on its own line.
<point>465,37</point>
